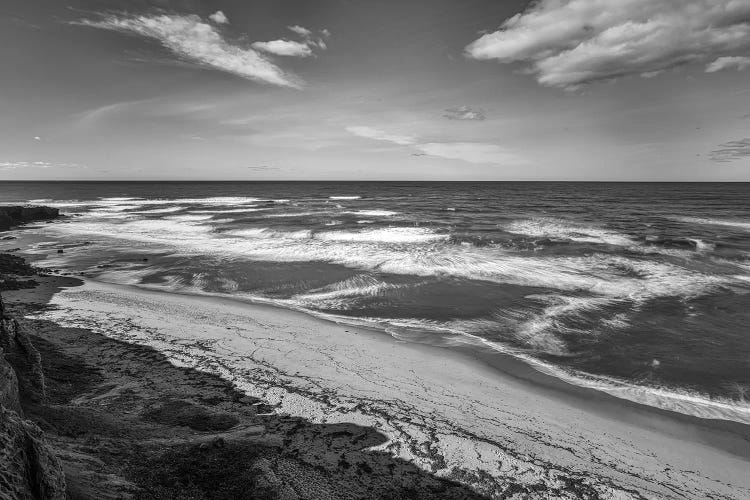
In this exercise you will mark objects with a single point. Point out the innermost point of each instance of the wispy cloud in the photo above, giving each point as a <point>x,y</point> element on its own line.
<point>471,152</point>
<point>13,165</point>
<point>568,43</point>
<point>219,17</point>
<point>379,135</point>
<point>722,63</point>
<point>731,151</point>
<point>262,168</point>
<point>196,40</point>
<point>464,113</point>
<point>301,31</point>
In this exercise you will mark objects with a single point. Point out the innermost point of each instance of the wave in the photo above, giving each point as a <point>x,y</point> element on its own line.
<point>680,243</point>
<point>294,214</point>
<point>419,252</point>
<point>373,213</point>
<point>266,233</point>
<point>159,210</point>
<point>384,235</point>
<point>340,295</point>
<point>138,202</point>
<point>560,229</point>
<point>117,208</point>
<point>737,224</point>
<point>230,210</point>
<point>188,218</point>
<point>344,197</point>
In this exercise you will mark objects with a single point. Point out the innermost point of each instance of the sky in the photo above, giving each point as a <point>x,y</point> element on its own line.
<point>631,90</point>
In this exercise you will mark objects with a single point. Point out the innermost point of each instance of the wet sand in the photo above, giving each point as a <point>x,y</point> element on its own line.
<point>488,422</point>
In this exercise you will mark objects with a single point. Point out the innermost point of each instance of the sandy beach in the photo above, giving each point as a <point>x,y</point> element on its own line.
<point>446,411</point>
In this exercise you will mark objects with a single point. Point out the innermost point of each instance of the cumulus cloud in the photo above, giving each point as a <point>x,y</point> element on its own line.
<point>567,43</point>
<point>737,62</point>
<point>472,152</point>
<point>219,17</point>
<point>732,150</point>
<point>284,48</point>
<point>464,113</point>
<point>193,39</point>
<point>291,48</point>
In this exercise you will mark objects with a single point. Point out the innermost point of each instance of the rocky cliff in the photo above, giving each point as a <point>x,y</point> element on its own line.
<point>11,216</point>
<point>29,468</point>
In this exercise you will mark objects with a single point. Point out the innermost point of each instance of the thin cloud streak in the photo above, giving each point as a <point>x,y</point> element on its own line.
<point>379,135</point>
<point>13,165</point>
<point>193,39</point>
<point>570,43</point>
<point>731,151</point>
<point>471,152</point>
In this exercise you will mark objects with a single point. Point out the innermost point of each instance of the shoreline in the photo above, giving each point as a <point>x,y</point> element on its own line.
<point>119,421</point>
<point>507,365</point>
<point>548,407</point>
<point>482,418</point>
<point>699,406</point>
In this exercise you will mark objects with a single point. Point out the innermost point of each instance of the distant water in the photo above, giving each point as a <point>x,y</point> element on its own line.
<point>641,290</point>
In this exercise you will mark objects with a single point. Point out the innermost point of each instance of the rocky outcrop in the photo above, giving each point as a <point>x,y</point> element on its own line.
<point>11,216</point>
<point>29,469</point>
<point>20,351</point>
<point>8,386</point>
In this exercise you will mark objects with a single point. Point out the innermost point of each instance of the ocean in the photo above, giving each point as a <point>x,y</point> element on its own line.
<point>640,290</point>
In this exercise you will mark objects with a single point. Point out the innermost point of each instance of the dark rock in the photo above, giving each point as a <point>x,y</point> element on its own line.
<point>21,354</point>
<point>9,397</point>
<point>11,216</point>
<point>29,469</point>
<point>15,284</point>
<point>60,250</point>
<point>13,264</point>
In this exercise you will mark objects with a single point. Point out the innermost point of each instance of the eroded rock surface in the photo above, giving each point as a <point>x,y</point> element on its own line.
<point>29,468</point>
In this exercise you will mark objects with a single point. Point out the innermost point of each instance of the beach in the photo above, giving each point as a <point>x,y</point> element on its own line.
<point>361,250</point>
<point>487,351</point>
<point>438,408</point>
